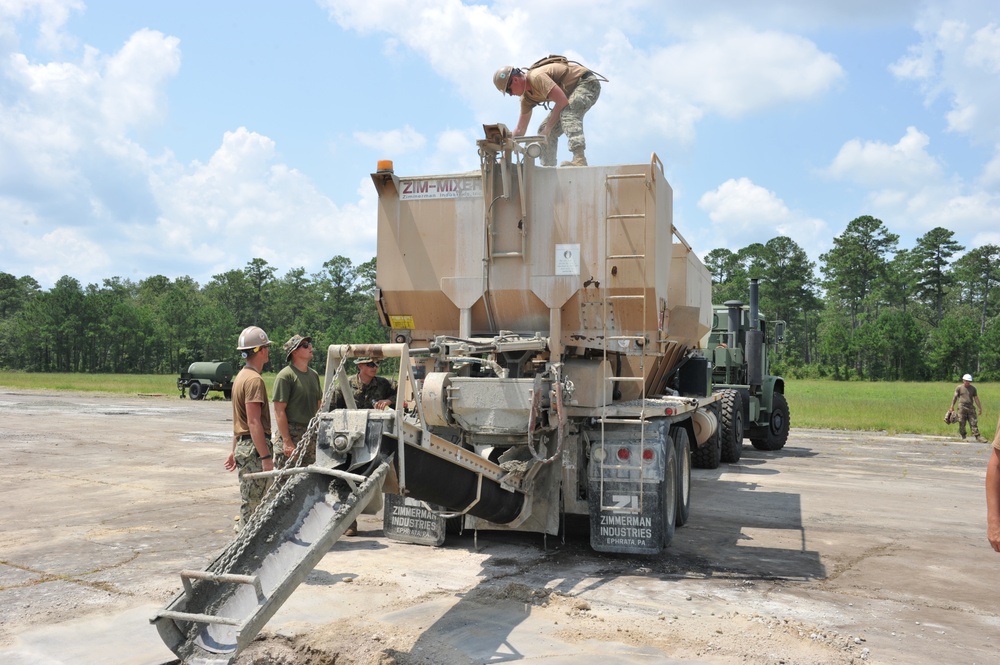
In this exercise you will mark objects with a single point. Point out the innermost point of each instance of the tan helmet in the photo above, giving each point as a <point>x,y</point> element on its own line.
<point>502,78</point>
<point>251,339</point>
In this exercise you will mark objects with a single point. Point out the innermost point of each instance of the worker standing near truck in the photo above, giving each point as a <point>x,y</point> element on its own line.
<point>993,493</point>
<point>968,400</point>
<point>297,397</point>
<point>570,87</point>
<point>251,450</point>
<point>370,390</point>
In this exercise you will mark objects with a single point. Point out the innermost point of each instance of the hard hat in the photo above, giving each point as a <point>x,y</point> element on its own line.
<point>502,78</point>
<point>251,339</point>
<point>295,342</point>
<point>967,377</point>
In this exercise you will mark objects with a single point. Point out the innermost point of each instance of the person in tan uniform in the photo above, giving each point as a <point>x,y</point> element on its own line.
<point>251,450</point>
<point>571,88</point>
<point>968,400</point>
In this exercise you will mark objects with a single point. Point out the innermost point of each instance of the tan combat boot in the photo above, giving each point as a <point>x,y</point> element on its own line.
<point>578,159</point>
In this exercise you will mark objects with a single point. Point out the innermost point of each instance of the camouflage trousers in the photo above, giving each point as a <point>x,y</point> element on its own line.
<point>297,430</point>
<point>968,416</point>
<point>570,121</point>
<point>251,490</point>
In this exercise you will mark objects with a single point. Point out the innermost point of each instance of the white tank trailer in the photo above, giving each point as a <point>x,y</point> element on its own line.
<point>549,326</point>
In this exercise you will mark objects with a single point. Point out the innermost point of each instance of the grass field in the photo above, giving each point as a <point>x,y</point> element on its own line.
<point>893,407</point>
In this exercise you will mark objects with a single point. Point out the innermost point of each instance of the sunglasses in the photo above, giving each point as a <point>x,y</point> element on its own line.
<point>371,364</point>
<point>305,345</point>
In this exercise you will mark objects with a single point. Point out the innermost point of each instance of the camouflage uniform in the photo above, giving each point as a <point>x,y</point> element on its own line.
<point>582,88</point>
<point>966,396</point>
<point>251,490</point>
<point>249,386</point>
<point>365,396</point>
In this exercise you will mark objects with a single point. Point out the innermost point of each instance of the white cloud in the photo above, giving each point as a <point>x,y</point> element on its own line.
<point>393,142</point>
<point>742,212</point>
<point>877,164</point>
<point>958,57</point>
<point>50,15</point>
<point>244,203</point>
<point>714,67</point>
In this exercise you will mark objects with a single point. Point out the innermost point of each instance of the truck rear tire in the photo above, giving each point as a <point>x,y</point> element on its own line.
<point>731,427</point>
<point>196,390</point>
<point>709,454</point>
<point>669,494</point>
<point>776,431</point>
<point>681,443</point>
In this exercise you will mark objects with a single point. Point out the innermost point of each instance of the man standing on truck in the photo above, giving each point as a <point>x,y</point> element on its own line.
<point>297,396</point>
<point>968,401</point>
<point>570,87</point>
<point>251,451</point>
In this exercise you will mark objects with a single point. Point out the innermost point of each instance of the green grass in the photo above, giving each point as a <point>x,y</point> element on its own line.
<point>893,407</point>
<point>900,407</point>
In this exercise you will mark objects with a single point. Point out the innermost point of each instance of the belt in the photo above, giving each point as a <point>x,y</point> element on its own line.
<point>247,437</point>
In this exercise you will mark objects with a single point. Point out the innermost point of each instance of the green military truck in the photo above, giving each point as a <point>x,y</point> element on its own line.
<point>753,404</point>
<point>202,377</point>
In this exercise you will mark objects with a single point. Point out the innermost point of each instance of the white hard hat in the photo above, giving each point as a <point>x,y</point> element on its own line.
<point>967,377</point>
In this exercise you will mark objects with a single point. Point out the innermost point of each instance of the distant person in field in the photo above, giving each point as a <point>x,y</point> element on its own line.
<point>251,451</point>
<point>993,493</point>
<point>968,402</point>
<point>297,397</point>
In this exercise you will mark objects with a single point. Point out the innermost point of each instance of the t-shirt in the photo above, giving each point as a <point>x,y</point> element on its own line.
<point>300,391</point>
<point>543,79</point>
<point>965,395</point>
<point>249,387</point>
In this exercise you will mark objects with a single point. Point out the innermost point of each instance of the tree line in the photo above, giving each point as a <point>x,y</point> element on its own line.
<point>160,326</point>
<point>872,310</point>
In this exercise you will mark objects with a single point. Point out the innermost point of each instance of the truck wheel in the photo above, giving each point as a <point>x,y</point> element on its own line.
<point>776,432</point>
<point>681,443</point>
<point>709,454</point>
<point>196,390</point>
<point>669,494</point>
<point>731,426</point>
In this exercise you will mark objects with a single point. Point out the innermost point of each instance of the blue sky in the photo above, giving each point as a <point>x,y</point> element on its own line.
<point>182,138</point>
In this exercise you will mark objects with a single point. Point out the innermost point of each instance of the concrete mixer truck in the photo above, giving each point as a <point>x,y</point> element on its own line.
<point>550,326</point>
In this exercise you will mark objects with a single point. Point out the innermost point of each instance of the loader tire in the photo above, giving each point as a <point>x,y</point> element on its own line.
<point>776,431</point>
<point>731,427</point>
<point>681,443</point>
<point>196,390</point>
<point>709,454</point>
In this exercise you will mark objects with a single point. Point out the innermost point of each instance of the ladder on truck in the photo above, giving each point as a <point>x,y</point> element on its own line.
<point>627,258</point>
<point>221,609</point>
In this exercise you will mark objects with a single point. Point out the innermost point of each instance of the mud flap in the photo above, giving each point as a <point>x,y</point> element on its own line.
<point>628,518</point>
<point>407,519</point>
<point>632,498</point>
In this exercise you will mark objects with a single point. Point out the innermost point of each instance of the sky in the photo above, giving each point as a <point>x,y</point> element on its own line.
<point>184,138</point>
